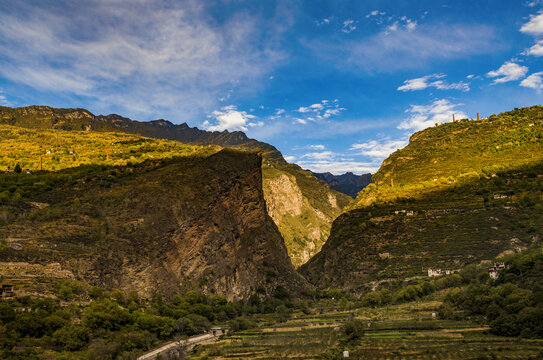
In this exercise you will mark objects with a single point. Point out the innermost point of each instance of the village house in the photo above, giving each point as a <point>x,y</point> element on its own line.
<point>216,331</point>
<point>439,272</point>
<point>7,291</point>
<point>493,271</point>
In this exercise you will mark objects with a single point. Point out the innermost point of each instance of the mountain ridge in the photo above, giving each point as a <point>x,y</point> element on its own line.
<point>305,230</point>
<point>154,223</point>
<point>347,183</point>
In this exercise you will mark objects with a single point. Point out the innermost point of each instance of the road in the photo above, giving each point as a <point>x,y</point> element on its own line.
<point>190,341</point>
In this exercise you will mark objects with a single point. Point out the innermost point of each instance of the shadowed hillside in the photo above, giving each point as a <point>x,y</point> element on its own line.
<point>302,207</point>
<point>150,220</point>
<point>459,193</point>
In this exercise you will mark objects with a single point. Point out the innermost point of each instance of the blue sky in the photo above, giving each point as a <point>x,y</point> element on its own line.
<point>335,85</point>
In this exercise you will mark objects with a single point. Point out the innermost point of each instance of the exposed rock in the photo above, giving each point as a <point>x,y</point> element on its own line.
<point>192,223</point>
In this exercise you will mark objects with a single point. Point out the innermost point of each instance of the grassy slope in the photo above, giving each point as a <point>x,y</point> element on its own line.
<point>294,229</point>
<point>486,198</point>
<point>60,149</point>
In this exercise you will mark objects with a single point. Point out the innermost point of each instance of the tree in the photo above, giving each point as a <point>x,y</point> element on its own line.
<point>18,169</point>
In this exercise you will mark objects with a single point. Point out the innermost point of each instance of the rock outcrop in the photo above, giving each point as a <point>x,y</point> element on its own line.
<point>188,223</point>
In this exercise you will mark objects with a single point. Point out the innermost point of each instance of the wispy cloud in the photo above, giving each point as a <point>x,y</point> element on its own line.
<point>424,116</point>
<point>379,149</point>
<point>328,161</point>
<point>403,49</point>
<point>348,26</point>
<point>509,71</point>
<point>434,81</point>
<point>3,100</point>
<point>109,52</point>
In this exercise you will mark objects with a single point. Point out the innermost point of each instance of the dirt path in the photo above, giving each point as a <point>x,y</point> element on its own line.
<point>190,341</point>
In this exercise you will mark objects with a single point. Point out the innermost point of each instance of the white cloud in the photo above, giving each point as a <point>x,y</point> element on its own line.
<point>324,21</point>
<point>319,111</point>
<point>375,13</point>
<point>328,161</point>
<point>318,106</point>
<point>379,149</point>
<point>3,100</point>
<point>424,116</point>
<point>279,111</point>
<point>348,26</point>
<point>323,155</point>
<point>534,26</point>
<point>534,81</point>
<point>509,71</point>
<point>317,147</point>
<point>536,50</point>
<point>146,57</point>
<point>229,118</point>
<point>394,27</point>
<point>424,82</point>
<point>290,158</point>
<point>339,166</point>
<point>411,25</point>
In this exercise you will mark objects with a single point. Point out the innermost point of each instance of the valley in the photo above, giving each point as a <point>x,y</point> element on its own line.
<point>170,234</point>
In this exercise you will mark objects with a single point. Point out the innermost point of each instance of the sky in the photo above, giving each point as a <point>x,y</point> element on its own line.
<point>335,85</point>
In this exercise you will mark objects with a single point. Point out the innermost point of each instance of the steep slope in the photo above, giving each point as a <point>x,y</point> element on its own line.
<point>304,231</point>
<point>459,193</point>
<point>170,224</point>
<point>347,183</point>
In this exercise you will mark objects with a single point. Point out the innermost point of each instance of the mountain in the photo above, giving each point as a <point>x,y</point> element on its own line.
<point>301,206</point>
<point>347,183</point>
<point>459,193</point>
<point>134,213</point>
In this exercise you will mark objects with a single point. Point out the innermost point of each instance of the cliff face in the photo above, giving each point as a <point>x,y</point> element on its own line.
<point>459,193</point>
<point>188,223</point>
<point>304,230</point>
<point>302,208</point>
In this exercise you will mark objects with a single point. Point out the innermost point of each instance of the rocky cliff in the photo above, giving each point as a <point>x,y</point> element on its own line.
<point>304,231</point>
<point>157,226</point>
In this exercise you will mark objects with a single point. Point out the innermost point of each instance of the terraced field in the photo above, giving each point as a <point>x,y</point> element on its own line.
<point>407,331</point>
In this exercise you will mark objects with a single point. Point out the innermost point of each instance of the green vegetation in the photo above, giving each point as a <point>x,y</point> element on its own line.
<point>454,153</point>
<point>310,208</point>
<point>473,211</point>
<point>91,323</point>
<point>58,149</point>
<point>406,330</point>
<point>512,305</point>
<point>304,233</point>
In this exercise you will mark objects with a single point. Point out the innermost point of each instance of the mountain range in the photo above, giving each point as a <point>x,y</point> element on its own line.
<point>301,206</point>
<point>123,210</point>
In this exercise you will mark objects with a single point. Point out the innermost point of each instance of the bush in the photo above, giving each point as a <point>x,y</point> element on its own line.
<point>354,329</point>
<point>241,323</point>
<point>71,338</point>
